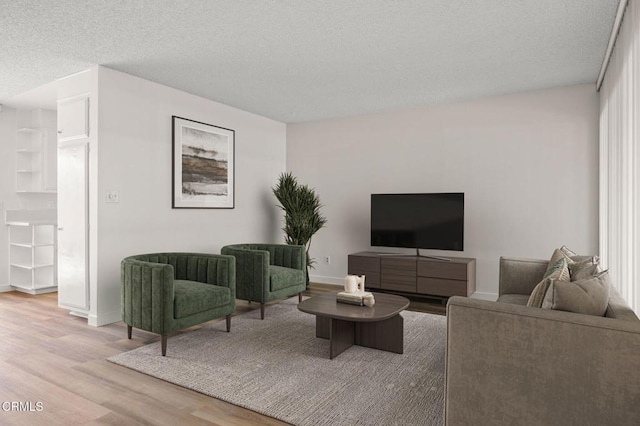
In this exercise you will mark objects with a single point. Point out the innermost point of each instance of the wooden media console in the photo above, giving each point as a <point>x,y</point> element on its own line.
<point>425,276</point>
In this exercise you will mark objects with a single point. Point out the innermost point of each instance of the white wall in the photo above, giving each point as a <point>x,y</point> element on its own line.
<point>10,121</point>
<point>527,163</point>
<point>134,158</point>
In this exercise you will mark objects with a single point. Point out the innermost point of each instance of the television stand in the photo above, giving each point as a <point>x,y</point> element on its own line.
<point>444,259</point>
<point>415,274</point>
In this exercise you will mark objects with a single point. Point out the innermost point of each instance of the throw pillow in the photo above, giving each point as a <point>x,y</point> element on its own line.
<point>588,296</point>
<point>538,293</point>
<point>582,258</point>
<point>558,269</point>
<point>568,252</point>
<point>584,269</point>
<point>572,255</point>
<point>559,261</point>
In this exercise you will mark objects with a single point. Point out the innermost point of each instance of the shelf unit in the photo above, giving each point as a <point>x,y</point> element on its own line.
<point>415,275</point>
<point>32,257</point>
<point>35,160</point>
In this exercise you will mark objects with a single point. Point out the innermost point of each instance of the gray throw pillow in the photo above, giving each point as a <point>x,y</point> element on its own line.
<point>573,256</point>
<point>558,268</point>
<point>582,258</point>
<point>558,262</point>
<point>538,293</point>
<point>567,251</point>
<point>584,269</point>
<point>587,296</point>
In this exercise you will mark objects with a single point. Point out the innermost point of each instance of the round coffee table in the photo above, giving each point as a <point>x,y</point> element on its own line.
<point>380,326</point>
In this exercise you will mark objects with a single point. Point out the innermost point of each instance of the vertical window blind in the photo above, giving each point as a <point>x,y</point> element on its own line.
<point>620,159</point>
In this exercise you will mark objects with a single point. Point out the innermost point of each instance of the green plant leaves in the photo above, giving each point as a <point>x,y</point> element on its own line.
<point>301,207</point>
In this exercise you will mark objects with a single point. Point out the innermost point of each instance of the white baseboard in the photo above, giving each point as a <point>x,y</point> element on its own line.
<point>4,288</point>
<point>326,280</point>
<point>104,319</point>
<point>485,296</point>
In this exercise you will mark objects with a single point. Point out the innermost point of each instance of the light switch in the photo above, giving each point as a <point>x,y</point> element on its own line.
<point>113,197</point>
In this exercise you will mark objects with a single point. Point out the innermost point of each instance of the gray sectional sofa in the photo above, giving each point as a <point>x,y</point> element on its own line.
<point>509,364</point>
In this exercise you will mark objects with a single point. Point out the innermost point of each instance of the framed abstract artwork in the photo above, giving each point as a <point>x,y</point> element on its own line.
<point>203,165</point>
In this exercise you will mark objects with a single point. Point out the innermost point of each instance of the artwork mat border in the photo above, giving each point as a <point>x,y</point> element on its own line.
<point>176,165</point>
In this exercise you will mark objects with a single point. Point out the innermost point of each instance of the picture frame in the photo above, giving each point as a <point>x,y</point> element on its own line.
<point>203,165</point>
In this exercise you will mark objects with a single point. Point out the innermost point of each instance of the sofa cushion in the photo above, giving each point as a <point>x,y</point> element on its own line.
<point>587,296</point>
<point>514,299</point>
<point>281,277</point>
<point>192,297</point>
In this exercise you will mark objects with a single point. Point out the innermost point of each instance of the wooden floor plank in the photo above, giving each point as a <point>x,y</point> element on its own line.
<point>221,414</point>
<point>58,404</point>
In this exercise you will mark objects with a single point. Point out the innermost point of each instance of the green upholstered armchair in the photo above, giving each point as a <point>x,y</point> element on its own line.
<point>266,272</point>
<point>165,292</point>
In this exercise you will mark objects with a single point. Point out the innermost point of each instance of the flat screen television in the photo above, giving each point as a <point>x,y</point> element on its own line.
<point>420,221</point>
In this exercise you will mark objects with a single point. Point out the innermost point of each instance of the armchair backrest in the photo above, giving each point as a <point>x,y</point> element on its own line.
<point>289,256</point>
<point>204,268</point>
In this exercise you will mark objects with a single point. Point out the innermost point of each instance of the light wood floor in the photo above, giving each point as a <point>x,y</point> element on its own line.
<point>50,357</point>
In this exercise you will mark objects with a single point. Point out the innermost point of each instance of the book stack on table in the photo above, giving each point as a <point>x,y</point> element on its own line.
<point>356,298</point>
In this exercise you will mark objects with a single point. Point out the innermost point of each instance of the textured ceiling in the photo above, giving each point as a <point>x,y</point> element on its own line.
<point>300,60</point>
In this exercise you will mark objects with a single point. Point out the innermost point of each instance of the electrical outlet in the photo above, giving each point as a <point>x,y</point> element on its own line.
<point>113,197</point>
<point>327,259</point>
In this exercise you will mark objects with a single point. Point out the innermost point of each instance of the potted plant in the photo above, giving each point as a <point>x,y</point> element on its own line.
<point>302,218</point>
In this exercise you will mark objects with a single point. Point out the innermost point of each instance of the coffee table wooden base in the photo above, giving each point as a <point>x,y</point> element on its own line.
<point>379,327</point>
<point>386,335</point>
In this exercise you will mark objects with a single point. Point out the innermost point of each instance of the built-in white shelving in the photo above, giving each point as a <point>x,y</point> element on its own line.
<point>32,254</point>
<point>35,160</point>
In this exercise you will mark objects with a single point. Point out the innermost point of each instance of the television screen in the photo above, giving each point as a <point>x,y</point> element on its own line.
<point>421,221</point>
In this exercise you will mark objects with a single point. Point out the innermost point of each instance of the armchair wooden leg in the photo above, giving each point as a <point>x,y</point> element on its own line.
<point>228,323</point>
<point>164,345</point>
<point>299,297</point>
<point>262,311</point>
<point>129,328</point>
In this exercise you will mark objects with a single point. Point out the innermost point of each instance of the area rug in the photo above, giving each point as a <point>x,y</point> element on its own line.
<point>278,367</point>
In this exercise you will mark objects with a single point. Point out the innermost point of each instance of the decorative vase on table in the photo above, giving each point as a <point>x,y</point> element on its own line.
<point>354,292</point>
